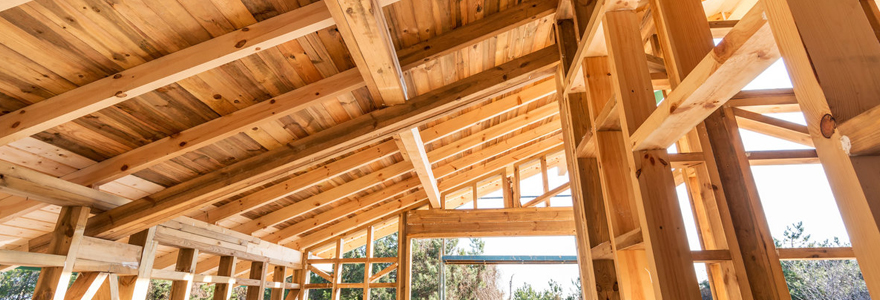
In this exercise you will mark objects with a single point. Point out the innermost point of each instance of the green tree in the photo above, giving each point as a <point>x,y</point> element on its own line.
<point>820,279</point>
<point>18,284</point>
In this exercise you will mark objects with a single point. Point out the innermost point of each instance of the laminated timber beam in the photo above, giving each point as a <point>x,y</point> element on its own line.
<point>834,85</point>
<point>364,31</point>
<point>490,222</point>
<point>740,57</point>
<point>163,71</point>
<point>195,193</point>
<point>414,148</point>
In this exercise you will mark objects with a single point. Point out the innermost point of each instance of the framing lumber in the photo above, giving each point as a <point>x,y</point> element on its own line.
<point>85,286</point>
<point>766,101</point>
<point>186,263</point>
<point>774,127</point>
<point>66,240</point>
<point>223,291</point>
<point>740,57</point>
<point>217,129</point>
<point>485,28</point>
<point>833,85</point>
<point>34,185</point>
<point>546,196</point>
<point>325,198</point>
<point>8,4</point>
<point>362,26</point>
<point>508,126</point>
<point>391,208</point>
<point>193,194</point>
<point>668,262</point>
<point>414,148</point>
<point>162,71</point>
<point>137,287</point>
<point>490,222</point>
<point>296,184</point>
<point>860,135</point>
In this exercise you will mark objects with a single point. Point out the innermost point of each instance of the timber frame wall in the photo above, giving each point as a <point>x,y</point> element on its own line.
<point>609,59</point>
<point>616,138</point>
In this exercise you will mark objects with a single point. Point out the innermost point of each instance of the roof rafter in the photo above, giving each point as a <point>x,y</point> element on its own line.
<point>362,26</point>
<point>194,194</point>
<point>414,148</point>
<point>163,71</point>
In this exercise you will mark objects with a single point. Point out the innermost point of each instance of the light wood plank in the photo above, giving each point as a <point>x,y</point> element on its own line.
<point>414,148</point>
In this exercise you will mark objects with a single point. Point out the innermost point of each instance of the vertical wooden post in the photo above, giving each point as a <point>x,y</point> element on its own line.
<point>258,271</point>
<point>403,258</point>
<point>598,278</point>
<point>186,262</point>
<point>337,269</point>
<point>517,187</point>
<point>666,246</point>
<point>278,275</point>
<point>222,291</point>
<point>740,224</point>
<point>66,238</point>
<point>85,286</point>
<point>833,84</point>
<point>137,287</point>
<point>368,266</point>
<point>507,190</point>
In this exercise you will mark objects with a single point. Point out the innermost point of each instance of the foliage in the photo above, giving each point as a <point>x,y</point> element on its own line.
<point>554,292</point>
<point>820,279</point>
<point>462,281</point>
<point>18,284</point>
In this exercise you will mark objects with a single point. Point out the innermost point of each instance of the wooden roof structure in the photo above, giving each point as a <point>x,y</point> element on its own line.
<point>264,129</point>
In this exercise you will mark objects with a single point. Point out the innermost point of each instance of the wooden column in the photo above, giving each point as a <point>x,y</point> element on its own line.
<point>667,252</point>
<point>834,84</point>
<point>186,262</point>
<point>730,213</point>
<point>222,291</point>
<point>137,287</point>
<point>85,286</point>
<point>337,269</point>
<point>368,267</point>
<point>258,272</point>
<point>598,278</point>
<point>617,185</point>
<point>404,258</point>
<point>278,275</point>
<point>66,238</point>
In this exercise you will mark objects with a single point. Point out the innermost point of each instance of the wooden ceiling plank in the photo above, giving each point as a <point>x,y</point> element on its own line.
<point>325,198</point>
<point>485,28</point>
<point>193,194</point>
<point>414,147</point>
<point>30,184</point>
<point>362,26</point>
<point>494,132</point>
<point>163,71</point>
<point>416,199</point>
<point>296,184</point>
<point>217,129</point>
<point>744,53</point>
<point>488,111</point>
<point>291,232</point>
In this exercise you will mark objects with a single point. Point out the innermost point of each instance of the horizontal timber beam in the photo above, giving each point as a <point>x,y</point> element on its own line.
<point>741,56</point>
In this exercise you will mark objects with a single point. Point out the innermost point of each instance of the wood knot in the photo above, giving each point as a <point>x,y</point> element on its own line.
<point>123,168</point>
<point>240,43</point>
<point>121,94</point>
<point>827,125</point>
<point>117,76</point>
<point>15,125</point>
